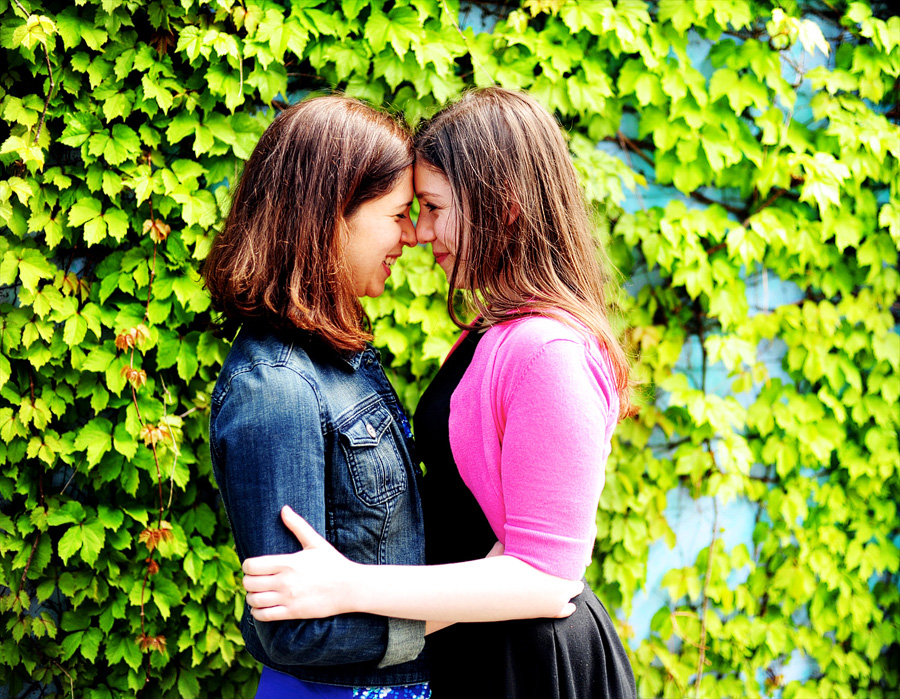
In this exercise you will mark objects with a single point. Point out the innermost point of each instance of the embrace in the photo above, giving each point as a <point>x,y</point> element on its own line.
<point>364,577</point>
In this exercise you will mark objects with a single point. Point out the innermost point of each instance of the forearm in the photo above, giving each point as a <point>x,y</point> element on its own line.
<point>319,582</point>
<point>491,589</point>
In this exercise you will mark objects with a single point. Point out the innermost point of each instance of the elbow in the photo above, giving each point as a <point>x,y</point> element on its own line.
<point>283,655</point>
<point>551,592</point>
<point>321,642</point>
<point>566,591</point>
<point>557,596</point>
<point>284,646</point>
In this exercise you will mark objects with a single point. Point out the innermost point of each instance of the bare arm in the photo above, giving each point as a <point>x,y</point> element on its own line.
<point>432,626</point>
<point>318,582</point>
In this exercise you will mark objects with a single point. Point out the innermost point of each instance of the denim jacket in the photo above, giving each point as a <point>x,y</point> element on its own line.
<point>295,423</point>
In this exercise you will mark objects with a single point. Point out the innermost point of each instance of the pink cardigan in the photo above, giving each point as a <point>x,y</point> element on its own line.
<point>530,429</point>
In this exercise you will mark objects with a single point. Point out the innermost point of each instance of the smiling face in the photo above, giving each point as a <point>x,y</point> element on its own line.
<point>377,232</point>
<point>437,222</point>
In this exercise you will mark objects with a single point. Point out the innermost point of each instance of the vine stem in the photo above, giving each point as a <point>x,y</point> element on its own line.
<point>167,395</point>
<point>63,671</point>
<point>34,546</point>
<point>155,245</point>
<point>674,617</point>
<point>161,507</point>
<point>621,138</point>
<point>701,660</point>
<point>49,94</point>
<point>159,483</point>
<point>74,473</point>
<point>150,282</point>
<point>134,392</point>
<point>42,656</point>
<point>465,41</point>
<point>152,444</point>
<point>49,75</point>
<point>709,563</point>
<point>37,539</point>
<point>160,513</point>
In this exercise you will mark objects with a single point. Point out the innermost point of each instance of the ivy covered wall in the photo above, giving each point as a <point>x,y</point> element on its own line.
<point>122,125</point>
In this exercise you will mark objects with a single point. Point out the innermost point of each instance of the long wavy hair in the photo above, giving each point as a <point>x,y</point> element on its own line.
<point>522,216</point>
<point>279,260</point>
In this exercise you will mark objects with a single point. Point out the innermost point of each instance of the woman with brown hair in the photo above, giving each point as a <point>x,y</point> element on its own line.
<point>302,413</point>
<point>514,430</point>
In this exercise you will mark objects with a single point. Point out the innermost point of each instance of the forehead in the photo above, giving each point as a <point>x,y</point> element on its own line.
<point>402,191</point>
<point>391,203</point>
<point>431,181</point>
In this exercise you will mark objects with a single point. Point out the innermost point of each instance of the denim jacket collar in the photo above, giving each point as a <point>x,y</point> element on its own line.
<point>353,360</point>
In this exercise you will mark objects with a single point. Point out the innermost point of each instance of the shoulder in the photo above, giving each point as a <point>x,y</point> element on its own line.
<point>558,350</point>
<point>524,340</point>
<point>259,357</point>
<point>533,332</point>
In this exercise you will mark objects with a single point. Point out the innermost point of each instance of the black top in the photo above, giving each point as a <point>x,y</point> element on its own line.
<point>455,527</point>
<point>579,657</point>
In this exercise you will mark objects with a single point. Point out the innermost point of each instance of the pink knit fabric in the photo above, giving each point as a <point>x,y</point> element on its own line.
<point>530,429</point>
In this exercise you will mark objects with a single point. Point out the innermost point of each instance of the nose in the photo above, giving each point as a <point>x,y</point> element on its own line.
<point>424,231</point>
<point>408,234</point>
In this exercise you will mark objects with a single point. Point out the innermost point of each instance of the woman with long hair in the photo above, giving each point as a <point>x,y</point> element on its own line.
<point>302,413</point>
<point>514,431</point>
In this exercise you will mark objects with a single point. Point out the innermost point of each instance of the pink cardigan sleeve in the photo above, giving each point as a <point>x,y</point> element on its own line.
<point>556,418</point>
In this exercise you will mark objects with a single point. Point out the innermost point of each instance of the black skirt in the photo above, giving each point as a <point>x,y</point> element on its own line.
<point>580,657</point>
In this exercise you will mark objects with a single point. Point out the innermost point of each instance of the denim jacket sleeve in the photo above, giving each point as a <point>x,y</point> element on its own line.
<point>267,438</point>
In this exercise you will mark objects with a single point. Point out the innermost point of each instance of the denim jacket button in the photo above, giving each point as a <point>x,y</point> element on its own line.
<point>371,431</point>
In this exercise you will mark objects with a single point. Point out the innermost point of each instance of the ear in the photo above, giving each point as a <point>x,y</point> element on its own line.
<point>341,231</point>
<point>513,214</point>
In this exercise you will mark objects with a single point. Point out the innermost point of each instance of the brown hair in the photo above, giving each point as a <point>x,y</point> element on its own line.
<point>279,259</point>
<point>522,216</point>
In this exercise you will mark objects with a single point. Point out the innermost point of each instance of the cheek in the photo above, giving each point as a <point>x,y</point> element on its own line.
<point>388,237</point>
<point>443,231</point>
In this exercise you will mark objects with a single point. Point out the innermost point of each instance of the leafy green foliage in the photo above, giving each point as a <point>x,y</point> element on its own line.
<point>125,123</point>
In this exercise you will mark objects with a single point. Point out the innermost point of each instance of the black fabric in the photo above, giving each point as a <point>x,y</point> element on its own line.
<point>579,657</point>
<point>455,527</point>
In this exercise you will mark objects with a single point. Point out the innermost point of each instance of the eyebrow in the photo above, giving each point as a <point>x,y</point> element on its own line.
<point>422,195</point>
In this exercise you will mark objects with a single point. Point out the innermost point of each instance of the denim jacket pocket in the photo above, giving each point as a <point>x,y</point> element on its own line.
<point>375,464</point>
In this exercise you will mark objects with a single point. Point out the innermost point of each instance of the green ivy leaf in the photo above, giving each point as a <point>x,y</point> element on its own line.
<point>119,648</point>
<point>5,370</point>
<point>90,644</point>
<point>70,543</point>
<point>78,129</point>
<point>155,90</point>
<point>400,28</point>
<point>96,438</point>
<point>270,81</point>
<point>30,265</point>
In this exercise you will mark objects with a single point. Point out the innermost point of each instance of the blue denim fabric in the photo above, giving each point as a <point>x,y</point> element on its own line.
<point>294,423</point>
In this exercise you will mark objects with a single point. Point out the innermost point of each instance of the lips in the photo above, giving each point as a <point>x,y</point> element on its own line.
<point>441,256</point>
